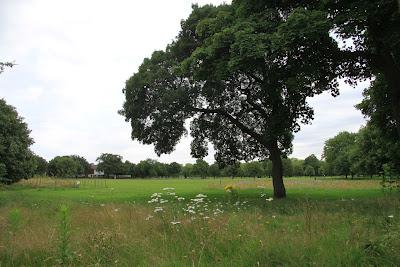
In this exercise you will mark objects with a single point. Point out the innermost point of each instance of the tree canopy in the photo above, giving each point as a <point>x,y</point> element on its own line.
<point>243,78</point>
<point>68,166</point>
<point>111,164</point>
<point>16,159</point>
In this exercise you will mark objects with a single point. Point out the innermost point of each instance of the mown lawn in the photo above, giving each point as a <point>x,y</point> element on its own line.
<point>323,222</point>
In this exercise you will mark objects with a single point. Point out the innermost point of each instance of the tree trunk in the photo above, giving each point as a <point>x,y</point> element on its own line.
<point>391,70</point>
<point>277,171</point>
<point>393,78</point>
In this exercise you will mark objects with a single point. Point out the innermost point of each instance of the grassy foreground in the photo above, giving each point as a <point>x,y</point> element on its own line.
<point>323,222</point>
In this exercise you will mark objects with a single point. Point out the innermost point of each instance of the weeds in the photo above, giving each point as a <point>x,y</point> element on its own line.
<point>64,236</point>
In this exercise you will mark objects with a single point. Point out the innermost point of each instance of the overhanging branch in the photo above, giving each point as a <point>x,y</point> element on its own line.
<point>233,120</point>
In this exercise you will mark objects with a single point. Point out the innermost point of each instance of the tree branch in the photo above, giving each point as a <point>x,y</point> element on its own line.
<point>233,120</point>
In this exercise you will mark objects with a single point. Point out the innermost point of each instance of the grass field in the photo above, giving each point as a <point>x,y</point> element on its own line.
<point>323,222</point>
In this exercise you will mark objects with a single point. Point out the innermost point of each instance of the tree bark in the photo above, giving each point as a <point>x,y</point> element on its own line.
<point>391,70</point>
<point>277,171</point>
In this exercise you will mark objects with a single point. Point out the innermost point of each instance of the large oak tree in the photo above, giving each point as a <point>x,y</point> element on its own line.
<point>242,76</point>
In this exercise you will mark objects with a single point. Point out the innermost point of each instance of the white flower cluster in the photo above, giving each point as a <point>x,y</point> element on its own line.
<point>158,209</point>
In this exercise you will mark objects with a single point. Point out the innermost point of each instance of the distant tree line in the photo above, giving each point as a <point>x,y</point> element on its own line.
<point>365,153</point>
<point>113,166</point>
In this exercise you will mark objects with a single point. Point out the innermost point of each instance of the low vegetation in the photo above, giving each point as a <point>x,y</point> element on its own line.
<point>201,222</point>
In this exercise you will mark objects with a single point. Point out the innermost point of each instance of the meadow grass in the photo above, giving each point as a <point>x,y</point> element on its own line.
<point>323,222</point>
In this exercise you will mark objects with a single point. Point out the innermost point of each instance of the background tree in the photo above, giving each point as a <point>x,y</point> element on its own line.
<point>174,169</point>
<point>298,167</point>
<point>378,142</point>
<point>15,156</point>
<point>372,28</point>
<point>338,153</point>
<point>63,166</point>
<point>267,167</point>
<point>3,171</point>
<point>309,170</point>
<point>187,170</point>
<point>41,165</point>
<point>111,164</point>
<point>214,170</point>
<point>312,161</point>
<point>287,167</point>
<point>243,76</point>
<point>231,170</point>
<point>130,169</point>
<point>251,169</point>
<point>200,168</point>
<point>83,165</point>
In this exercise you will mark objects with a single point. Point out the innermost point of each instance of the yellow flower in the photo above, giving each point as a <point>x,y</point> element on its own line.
<point>228,188</point>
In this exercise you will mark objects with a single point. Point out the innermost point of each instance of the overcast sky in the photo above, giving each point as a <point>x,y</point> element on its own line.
<point>74,57</point>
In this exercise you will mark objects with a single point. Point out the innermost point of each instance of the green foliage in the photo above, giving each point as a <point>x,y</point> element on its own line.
<point>187,170</point>
<point>174,169</point>
<point>65,166</point>
<point>111,164</point>
<point>326,228</point>
<point>231,170</point>
<point>41,165</point>
<point>233,194</point>
<point>214,170</point>
<point>372,31</point>
<point>287,167</point>
<point>64,236</point>
<point>200,168</point>
<point>243,78</point>
<point>338,152</point>
<point>298,167</point>
<point>83,165</point>
<point>313,162</point>
<point>309,170</point>
<point>251,169</point>
<point>3,170</point>
<point>14,221</point>
<point>16,159</point>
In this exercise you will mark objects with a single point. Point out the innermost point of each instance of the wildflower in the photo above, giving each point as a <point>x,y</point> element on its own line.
<point>269,199</point>
<point>78,182</point>
<point>102,205</point>
<point>273,216</point>
<point>260,186</point>
<point>116,210</point>
<point>163,201</point>
<point>206,217</point>
<point>171,193</point>
<point>200,196</point>
<point>156,195</point>
<point>174,223</point>
<point>168,188</point>
<point>197,200</point>
<point>228,188</point>
<point>181,198</point>
<point>149,217</point>
<point>391,216</point>
<point>158,209</point>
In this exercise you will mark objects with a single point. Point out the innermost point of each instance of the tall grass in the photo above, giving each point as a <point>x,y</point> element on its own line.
<point>64,236</point>
<point>250,231</point>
